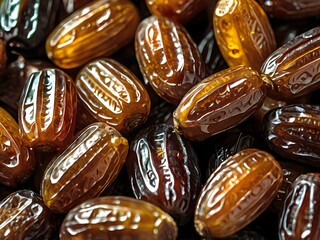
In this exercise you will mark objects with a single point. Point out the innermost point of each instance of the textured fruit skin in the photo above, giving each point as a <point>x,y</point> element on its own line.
<point>17,162</point>
<point>168,58</point>
<point>293,132</point>
<point>293,69</point>
<point>300,218</point>
<point>237,192</point>
<point>23,215</point>
<point>219,102</point>
<point>163,169</point>
<point>47,110</point>
<point>89,165</point>
<point>98,29</point>
<point>243,32</point>
<point>111,93</point>
<point>119,218</point>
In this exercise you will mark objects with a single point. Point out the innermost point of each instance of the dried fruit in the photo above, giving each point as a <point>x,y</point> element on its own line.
<point>3,54</point>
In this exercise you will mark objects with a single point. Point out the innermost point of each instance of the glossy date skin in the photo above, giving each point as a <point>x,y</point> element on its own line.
<point>100,28</point>
<point>237,192</point>
<point>3,54</point>
<point>243,32</point>
<point>293,132</point>
<point>82,171</point>
<point>118,217</point>
<point>219,102</point>
<point>163,169</point>
<point>111,93</point>
<point>168,58</point>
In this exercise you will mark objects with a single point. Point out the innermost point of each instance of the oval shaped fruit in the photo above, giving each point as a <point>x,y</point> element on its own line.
<point>243,32</point>
<point>117,217</point>
<point>219,102</point>
<point>163,169</point>
<point>237,192</point>
<point>293,132</point>
<point>47,110</point>
<point>24,216</point>
<point>299,218</point>
<point>84,169</point>
<point>100,28</point>
<point>111,93</point>
<point>168,58</point>
<point>293,69</point>
<point>17,162</point>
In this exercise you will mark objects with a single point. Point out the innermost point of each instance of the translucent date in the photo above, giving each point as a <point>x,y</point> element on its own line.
<point>24,216</point>
<point>17,162</point>
<point>47,110</point>
<point>300,218</point>
<point>3,54</point>
<point>82,171</point>
<point>293,131</point>
<point>163,169</point>
<point>117,217</point>
<point>111,93</point>
<point>243,32</point>
<point>219,102</point>
<point>293,69</point>
<point>168,58</point>
<point>100,28</point>
<point>237,192</point>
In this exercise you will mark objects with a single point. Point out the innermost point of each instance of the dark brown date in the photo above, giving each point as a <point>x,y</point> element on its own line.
<point>163,169</point>
<point>3,54</point>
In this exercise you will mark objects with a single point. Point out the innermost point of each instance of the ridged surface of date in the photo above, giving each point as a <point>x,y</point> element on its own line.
<point>293,131</point>
<point>47,110</point>
<point>118,218</point>
<point>300,218</point>
<point>168,58</point>
<point>293,69</point>
<point>23,215</point>
<point>113,94</point>
<point>237,192</point>
<point>89,165</point>
<point>243,32</point>
<point>219,102</point>
<point>98,29</point>
<point>163,169</point>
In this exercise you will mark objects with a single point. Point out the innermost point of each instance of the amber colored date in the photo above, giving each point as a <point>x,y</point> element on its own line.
<point>100,28</point>
<point>117,217</point>
<point>168,58</point>
<point>219,102</point>
<point>243,32</point>
<point>3,54</point>
<point>163,169</point>
<point>111,93</point>
<point>300,218</point>
<point>82,171</point>
<point>293,131</point>
<point>237,192</point>
<point>24,216</point>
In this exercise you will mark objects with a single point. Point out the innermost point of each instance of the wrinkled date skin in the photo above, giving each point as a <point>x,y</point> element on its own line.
<point>168,58</point>
<point>17,162</point>
<point>300,214</point>
<point>112,94</point>
<point>163,169</point>
<point>98,29</point>
<point>3,54</point>
<point>118,217</point>
<point>219,102</point>
<point>293,69</point>
<point>243,32</point>
<point>82,171</point>
<point>23,215</point>
<point>293,132</point>
<point>237,192</point>
<point>47,110</point>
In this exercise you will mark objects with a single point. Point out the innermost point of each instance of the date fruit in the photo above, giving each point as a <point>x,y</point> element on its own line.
<point>237,192</point>
<point>3,54</point>
<point>117,217</point>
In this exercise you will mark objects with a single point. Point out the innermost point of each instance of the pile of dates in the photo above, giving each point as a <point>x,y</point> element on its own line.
<point>158,119</point>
